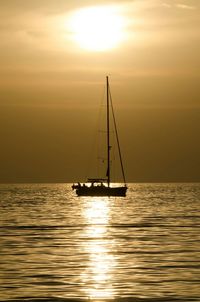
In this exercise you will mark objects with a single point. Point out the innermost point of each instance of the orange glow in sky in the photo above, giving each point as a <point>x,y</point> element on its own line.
<point>55,56</point>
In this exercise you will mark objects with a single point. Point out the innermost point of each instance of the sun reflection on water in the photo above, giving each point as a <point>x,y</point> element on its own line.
<point>98,274</point>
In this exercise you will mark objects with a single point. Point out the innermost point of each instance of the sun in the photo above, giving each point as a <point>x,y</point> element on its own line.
<point>97,28</point>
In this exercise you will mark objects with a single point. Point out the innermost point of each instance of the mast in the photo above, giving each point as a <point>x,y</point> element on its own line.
<point>108,132</point>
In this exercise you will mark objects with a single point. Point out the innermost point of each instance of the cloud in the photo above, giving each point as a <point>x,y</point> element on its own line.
<point>179,6</point>
<point>184,6</point>
<point>167,5</point>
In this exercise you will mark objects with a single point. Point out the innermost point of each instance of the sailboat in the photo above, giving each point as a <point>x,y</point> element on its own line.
<point>103,186</point>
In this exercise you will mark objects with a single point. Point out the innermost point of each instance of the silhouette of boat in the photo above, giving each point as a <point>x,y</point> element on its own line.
<point>102,186</point>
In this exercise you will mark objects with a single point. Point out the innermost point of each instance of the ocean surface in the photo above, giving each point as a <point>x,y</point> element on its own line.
<point>55,246</point>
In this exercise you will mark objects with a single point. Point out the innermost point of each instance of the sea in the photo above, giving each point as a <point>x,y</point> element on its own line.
<point>56,246</point>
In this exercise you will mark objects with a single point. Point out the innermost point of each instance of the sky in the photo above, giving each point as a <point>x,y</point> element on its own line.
<point>52,81</point>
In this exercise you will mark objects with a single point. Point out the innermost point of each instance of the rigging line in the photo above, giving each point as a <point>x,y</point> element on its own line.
<point>115,126</point>
<point>95,142</point>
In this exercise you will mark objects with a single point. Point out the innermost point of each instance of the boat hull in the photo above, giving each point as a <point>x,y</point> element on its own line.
<point>101,191</point>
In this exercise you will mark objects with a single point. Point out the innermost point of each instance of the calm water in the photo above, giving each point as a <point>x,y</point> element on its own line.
<point>55,246</point>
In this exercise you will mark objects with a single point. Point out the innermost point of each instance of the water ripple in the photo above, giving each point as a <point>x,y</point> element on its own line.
<point>58,247</point>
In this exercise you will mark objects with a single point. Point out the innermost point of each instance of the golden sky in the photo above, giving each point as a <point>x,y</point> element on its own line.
<point>51,81</point>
